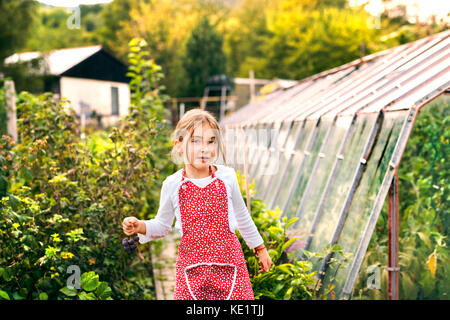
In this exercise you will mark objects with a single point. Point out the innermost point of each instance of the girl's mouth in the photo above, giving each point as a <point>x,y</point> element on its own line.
<point>203,158</point>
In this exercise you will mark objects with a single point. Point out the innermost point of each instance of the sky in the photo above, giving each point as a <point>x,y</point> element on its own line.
<point>429,6</point>
<point>72,3</point>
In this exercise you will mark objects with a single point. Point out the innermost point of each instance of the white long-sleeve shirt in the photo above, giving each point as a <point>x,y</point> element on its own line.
<point>169,208</point>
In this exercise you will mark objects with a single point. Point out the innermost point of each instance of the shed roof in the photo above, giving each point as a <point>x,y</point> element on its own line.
<point>57,61</point>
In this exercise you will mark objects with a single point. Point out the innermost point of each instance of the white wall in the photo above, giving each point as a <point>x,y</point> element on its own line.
<point>97,94</point>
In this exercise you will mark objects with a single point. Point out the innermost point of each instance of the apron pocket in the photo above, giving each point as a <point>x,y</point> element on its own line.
<point>210,281</point>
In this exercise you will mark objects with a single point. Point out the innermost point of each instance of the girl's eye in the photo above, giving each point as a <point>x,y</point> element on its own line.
<point>197,141</point>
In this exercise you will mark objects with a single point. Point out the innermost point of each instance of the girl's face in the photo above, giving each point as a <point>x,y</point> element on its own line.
<point>201,149</point>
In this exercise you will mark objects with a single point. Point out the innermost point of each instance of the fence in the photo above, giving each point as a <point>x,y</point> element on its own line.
<point>10,106</point>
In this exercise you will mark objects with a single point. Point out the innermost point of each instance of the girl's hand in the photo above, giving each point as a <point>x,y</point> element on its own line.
<point>265,262</point>
<point>132,225</point>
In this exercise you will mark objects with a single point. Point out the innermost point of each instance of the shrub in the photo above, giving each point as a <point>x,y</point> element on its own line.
<point>66,197</point>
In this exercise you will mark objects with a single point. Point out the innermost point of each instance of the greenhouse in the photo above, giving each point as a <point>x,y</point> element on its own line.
<point>327,149</point>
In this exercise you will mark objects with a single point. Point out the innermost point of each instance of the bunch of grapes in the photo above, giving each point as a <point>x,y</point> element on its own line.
<point>130,244</point>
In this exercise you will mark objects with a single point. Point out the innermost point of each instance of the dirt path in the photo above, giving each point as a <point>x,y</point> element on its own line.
<point>164,260</point>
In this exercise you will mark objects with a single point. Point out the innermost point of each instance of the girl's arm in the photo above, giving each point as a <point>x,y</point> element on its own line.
<point>246,225</point>
<point>161,225</point>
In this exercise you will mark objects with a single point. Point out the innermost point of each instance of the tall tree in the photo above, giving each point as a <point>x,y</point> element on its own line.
<point>115,16</point>
<point>304,37</point>
<point>204,57</point>
<point>52,30</point>
<point>244,32</point>
<point>166,26</point>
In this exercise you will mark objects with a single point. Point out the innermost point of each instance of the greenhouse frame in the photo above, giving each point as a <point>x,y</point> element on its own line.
<point>327,149</point>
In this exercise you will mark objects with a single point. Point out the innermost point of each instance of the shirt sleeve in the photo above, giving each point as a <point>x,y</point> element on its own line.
<point>161,225</point>
<point>245,224</point>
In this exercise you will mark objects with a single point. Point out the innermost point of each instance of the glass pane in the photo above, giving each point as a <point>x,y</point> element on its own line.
<point>250,143</point>
<point>312,200</point>
<point>254,150</point>
<point>266,167</point>
<point>273,159</point>
<point>366,192</point>
<point>231,147</point>
<point>293,135</point>
<point>285,155</point>
<point>340,186</point>
<point>307,168</point>
<point>294,164</point>
<point>263,143</point>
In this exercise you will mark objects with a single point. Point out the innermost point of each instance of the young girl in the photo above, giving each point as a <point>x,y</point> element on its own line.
<point>205,198</point>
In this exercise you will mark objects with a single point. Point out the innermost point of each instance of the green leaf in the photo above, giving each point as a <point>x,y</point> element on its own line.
<point>86,296</point>
<point>89,281</point>
<point>43,296</point>
<point>4,295</point>
<point>133,42</point>
<point>14,202</point>
<point>288,243</point>
<point>291,221</point>
<point>103,291</point>
<point>288,293</point>
<point>71,292</point>
<point>26,174</point>
<point>17,296</point>
<point>285,268</point>
<point>425,238</point>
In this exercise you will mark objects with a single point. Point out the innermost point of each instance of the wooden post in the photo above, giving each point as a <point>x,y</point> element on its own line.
<point>182,109</point>
<point>223,96</point>
<point>174,111</point>
<point>252,85</point>
<point>205,97</point>
<point>11,109</point>
<point>393,229</point>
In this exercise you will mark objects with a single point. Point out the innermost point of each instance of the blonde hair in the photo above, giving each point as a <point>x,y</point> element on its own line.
<point>186,126</point>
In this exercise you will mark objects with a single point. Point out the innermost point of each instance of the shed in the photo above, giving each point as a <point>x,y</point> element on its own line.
<point>90,77</point>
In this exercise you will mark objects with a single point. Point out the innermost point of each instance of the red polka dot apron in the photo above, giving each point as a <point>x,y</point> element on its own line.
<point>210,263</point>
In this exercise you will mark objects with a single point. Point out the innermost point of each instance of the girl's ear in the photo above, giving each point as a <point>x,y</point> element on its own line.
<point>178,146</point>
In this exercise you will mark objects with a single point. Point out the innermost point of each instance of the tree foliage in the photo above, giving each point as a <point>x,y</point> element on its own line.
<point>204,57</point>
<point>16,19</point>
<point>276,38</point>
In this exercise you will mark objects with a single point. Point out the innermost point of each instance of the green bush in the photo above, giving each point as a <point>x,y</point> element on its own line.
<point>66,197</point>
